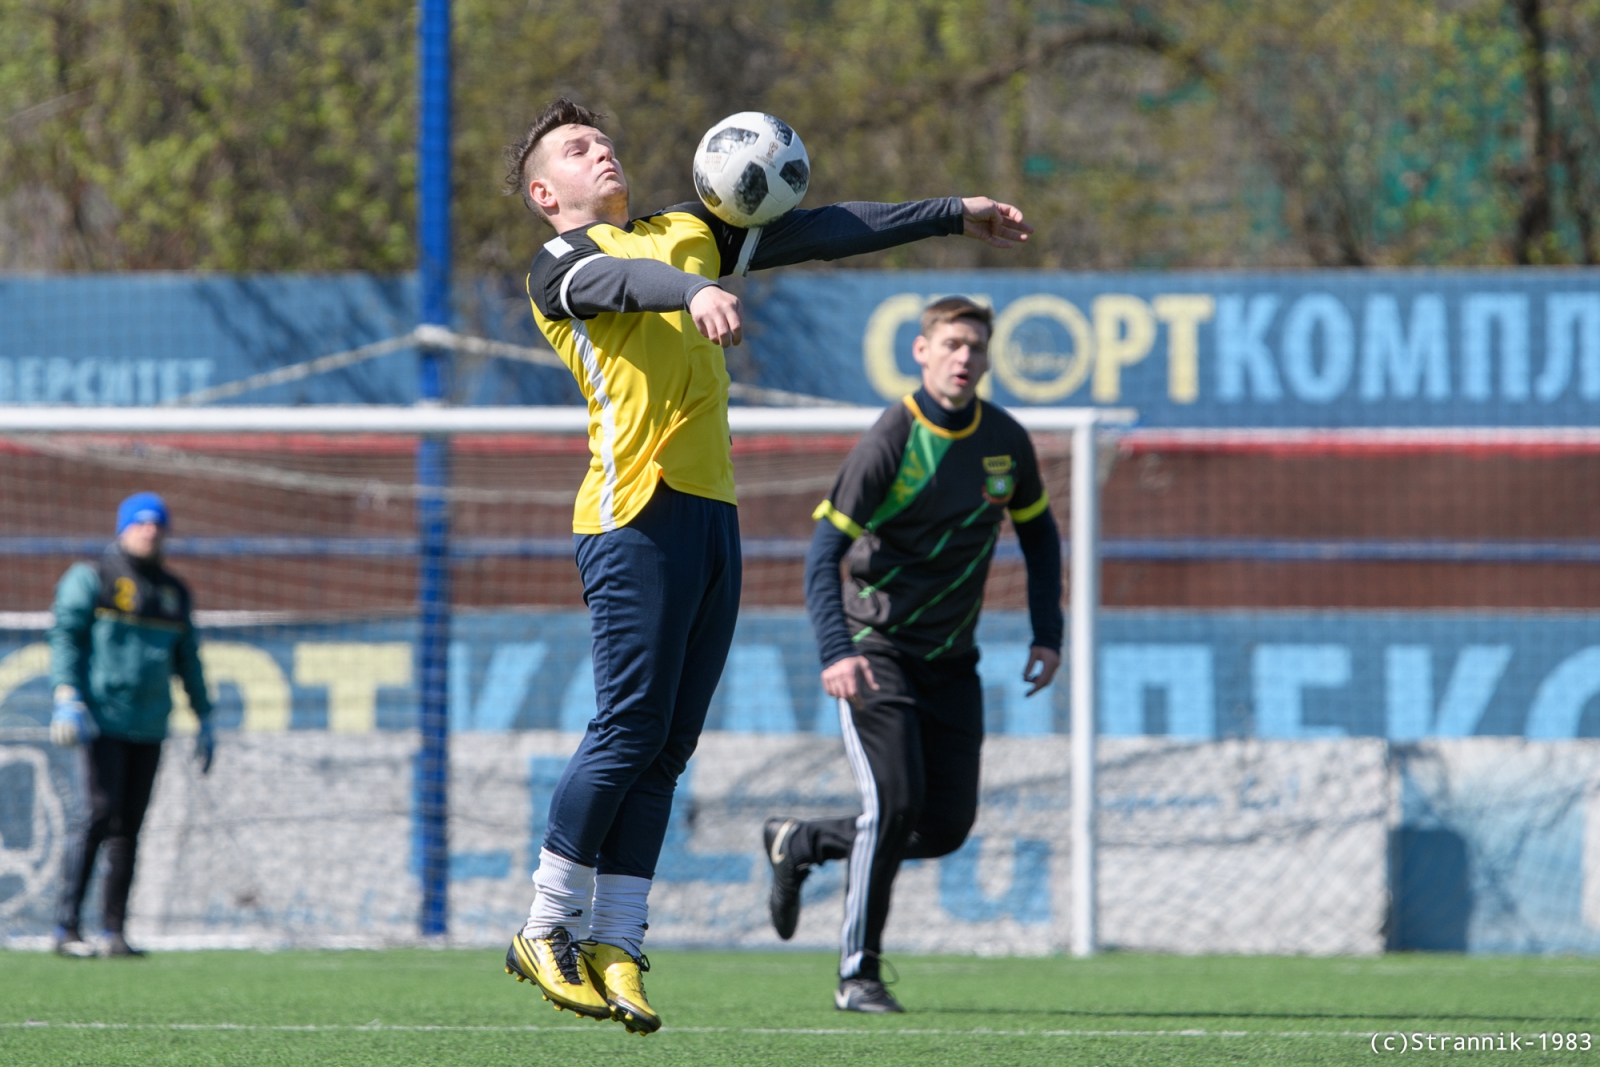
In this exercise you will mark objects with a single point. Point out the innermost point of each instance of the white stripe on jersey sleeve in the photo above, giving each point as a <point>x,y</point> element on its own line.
<point>567,280</point>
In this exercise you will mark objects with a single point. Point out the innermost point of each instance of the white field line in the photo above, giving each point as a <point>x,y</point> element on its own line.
<point>32,1024</point>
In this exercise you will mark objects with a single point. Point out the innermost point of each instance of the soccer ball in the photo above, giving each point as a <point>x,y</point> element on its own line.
<point>751,168</point>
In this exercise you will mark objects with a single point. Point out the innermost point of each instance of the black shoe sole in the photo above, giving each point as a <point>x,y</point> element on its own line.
<point>633,1020</point>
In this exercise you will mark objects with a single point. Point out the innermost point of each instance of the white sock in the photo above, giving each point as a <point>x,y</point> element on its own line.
<point>621,906</point>
<point>564,896</point>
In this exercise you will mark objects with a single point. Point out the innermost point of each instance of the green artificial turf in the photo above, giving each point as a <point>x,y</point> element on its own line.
<point>416,1006</point>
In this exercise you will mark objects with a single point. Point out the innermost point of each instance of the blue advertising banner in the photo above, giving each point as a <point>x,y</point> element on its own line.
<point>1209,839</point>
<point>1189,675</point>
<point>1315,349</point>
<point>1311,349</point>
<point>144,339</point>
<point>140,339</point>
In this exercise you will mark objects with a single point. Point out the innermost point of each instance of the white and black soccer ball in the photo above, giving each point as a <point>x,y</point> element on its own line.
<point>751,168</point>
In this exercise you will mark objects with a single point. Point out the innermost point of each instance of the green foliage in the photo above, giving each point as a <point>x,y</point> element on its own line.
<point>278,134</point>
<point>251,135</point>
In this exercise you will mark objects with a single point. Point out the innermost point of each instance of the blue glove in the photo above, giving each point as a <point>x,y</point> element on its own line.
<point>70,723</point>
<point>205,746</point>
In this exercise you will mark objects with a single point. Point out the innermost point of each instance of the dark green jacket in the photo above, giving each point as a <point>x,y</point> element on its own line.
<point>122,631</point>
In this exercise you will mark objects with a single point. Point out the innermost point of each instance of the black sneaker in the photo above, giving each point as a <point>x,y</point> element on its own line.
<point>117,945</point>
<point>788,874</point>
<point>865,995</point>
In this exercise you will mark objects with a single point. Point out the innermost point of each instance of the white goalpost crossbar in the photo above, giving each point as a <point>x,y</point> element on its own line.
<point>1081,424</point>
<point>438,419</point>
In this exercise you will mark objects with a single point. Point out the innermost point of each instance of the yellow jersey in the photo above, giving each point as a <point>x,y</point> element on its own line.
<point>657,390</point>
<point>614,304</point>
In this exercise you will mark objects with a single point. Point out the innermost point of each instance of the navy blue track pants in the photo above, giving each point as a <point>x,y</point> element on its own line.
<point>663,596</point>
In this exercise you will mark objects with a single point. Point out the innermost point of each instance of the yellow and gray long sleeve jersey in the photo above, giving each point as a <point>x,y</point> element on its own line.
<point>614,304</point>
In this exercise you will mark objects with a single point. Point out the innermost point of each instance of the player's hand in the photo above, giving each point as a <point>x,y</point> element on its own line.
<point>995,224</point>
<point>1040,670</point>
<point>716,313</point>
<point>843,679</point>
<point>205,746</point>
<point>70,722</point>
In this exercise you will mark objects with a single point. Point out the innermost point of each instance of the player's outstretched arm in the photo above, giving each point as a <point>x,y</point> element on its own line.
<point>995,224</point>
<point>854,228</point>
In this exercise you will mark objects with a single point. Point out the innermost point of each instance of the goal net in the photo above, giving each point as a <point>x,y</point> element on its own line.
<point>1314,650</point>
<point>300,533</point>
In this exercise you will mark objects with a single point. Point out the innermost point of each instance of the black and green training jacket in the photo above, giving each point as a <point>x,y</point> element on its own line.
<point>915,515</point>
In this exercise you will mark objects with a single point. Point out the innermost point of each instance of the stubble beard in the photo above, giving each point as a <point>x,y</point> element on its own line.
<point>609,201</point>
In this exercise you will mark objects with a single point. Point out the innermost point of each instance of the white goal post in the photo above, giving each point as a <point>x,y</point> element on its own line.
<point>439,419</point>
<point>1082,425</point>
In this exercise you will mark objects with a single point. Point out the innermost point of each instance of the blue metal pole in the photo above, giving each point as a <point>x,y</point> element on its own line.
<point>433,471</point>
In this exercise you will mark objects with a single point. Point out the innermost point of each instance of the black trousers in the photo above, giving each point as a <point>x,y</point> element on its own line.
<point>119,775</point>
<point>913,745</point>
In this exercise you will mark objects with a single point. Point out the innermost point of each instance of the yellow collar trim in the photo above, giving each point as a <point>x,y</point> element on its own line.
<point>954,435</point>
<point>844,523</point>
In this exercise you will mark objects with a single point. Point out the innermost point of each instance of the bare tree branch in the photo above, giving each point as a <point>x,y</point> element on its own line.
<point>1286,161</point>
<point>1534,217</point>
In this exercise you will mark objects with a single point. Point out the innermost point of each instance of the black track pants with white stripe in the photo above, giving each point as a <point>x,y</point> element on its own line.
<point>913,745</point>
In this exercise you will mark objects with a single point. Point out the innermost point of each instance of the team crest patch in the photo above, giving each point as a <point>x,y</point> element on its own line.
<point>998,482</point>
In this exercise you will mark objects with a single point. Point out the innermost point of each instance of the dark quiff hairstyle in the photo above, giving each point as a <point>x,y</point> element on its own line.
<point>953,308</point>
<point>562,112</point>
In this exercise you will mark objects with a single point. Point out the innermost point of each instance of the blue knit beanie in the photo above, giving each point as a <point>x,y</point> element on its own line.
<point>141,507</point>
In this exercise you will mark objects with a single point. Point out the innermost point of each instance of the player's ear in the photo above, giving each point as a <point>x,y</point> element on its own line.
<point>919,350</point>
<point>543,196</point>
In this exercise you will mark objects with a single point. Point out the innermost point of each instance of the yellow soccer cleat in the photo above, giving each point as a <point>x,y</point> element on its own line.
<point>618,973</point>
<point>555,965</point>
